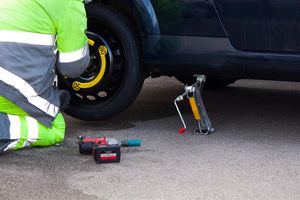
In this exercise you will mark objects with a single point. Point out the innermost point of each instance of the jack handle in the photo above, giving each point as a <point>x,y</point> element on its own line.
<point>180,98</point>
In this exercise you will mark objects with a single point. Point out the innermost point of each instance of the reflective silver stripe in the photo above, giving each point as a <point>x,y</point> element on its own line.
<point>33,131</point>
<point>14,130</point>
<point>15,126</point>
<point>27,38</point>
<point>73,56</point>
<point>32,97</point>
<point>12,145</point>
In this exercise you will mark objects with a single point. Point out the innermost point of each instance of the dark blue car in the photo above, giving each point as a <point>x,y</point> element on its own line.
<point>225,40</point>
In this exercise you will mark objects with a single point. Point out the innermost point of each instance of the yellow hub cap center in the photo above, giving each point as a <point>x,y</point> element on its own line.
<point>102,51</point>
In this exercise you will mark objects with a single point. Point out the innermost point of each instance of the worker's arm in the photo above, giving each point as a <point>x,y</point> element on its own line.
<point>72,43</point>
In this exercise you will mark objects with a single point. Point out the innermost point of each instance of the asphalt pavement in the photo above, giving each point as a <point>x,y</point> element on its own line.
<point>253,154</point>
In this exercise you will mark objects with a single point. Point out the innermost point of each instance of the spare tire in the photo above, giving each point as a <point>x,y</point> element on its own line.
<point>116,76</point>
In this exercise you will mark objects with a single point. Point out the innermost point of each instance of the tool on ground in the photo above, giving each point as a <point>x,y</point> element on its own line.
<point>193,93</point>
<point>105,150</point>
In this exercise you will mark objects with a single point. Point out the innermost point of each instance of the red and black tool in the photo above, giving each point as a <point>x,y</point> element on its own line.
<point>105,150</point>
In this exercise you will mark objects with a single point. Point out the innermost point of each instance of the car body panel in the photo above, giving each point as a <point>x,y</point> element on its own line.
<point>185,56</point>
<point>175,17</point>
<point>262,25</point>
<point>256,39</point>
<point>145,16</point>
<point>188,18</point>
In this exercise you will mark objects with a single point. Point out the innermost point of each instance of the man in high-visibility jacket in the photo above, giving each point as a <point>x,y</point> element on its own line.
<point>37,37</point>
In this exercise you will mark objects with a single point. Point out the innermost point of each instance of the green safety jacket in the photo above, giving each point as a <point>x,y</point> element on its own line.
<point>37,36</point>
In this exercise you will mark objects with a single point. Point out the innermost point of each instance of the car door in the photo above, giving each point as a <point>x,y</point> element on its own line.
<point>261,25</point>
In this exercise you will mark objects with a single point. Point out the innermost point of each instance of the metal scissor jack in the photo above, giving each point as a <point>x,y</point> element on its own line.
<point>193,93</point>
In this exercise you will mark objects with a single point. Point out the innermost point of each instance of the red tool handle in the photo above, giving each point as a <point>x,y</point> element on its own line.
<point>181,130</point>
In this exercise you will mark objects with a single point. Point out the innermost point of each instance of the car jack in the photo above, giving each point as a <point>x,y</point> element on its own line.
<point>193,93</point>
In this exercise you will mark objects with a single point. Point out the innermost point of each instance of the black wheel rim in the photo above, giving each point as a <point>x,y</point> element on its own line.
<point>101,82</point>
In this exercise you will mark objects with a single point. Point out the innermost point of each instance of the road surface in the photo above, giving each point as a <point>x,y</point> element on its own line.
<point>254,153</point>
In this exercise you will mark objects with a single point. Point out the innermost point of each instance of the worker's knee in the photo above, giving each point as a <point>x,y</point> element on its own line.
<point>51,136</point>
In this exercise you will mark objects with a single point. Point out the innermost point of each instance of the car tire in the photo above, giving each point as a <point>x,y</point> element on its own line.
<point>116,75</point>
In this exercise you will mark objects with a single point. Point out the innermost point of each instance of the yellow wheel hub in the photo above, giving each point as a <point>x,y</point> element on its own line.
<point>102,52</point>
